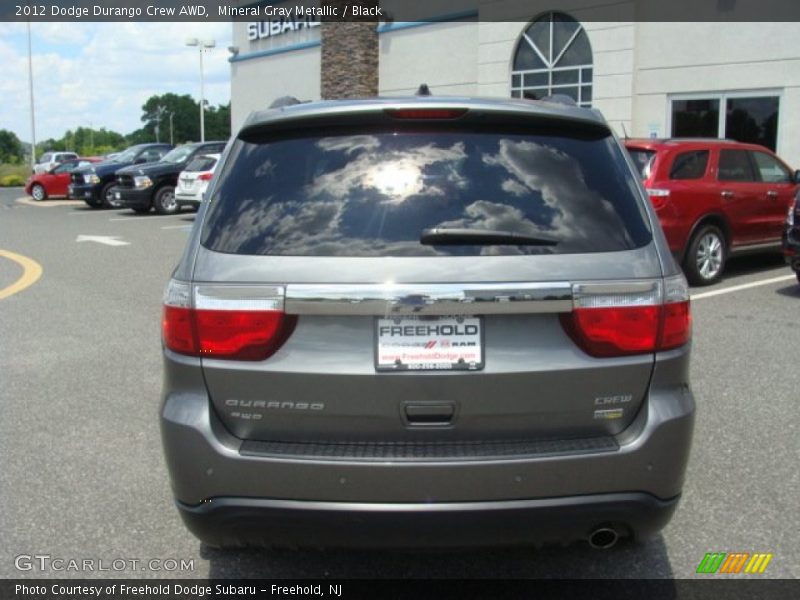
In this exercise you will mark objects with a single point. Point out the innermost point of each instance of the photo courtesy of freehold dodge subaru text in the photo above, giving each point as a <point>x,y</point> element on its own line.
<point>426,322</point>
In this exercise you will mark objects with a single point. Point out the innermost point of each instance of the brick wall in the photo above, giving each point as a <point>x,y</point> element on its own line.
<point>349,66</point>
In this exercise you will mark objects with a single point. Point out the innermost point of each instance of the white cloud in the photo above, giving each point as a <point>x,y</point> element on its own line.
<point>103,72</point>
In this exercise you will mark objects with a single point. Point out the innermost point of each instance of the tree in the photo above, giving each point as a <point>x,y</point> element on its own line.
<point>185,119</point>
<point>218,122</point>
<point>85,141</point>
<point>11,150</point>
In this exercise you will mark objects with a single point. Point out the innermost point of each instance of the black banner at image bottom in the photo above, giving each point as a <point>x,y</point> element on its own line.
<point>348,589</point>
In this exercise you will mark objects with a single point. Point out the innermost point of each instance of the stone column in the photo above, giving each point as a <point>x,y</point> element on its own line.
<point>349,66</point>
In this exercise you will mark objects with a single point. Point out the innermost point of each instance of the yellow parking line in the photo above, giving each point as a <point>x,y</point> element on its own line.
<point>31,271</point>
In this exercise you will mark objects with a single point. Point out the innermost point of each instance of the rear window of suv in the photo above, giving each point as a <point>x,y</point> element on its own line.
<point>372,193</point>
<point>201,163</point>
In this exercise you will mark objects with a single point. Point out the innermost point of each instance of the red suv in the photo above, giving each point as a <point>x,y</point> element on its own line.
<point>714,198</point>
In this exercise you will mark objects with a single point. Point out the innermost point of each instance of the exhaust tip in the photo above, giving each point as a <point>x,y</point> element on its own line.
<point>603,538</point>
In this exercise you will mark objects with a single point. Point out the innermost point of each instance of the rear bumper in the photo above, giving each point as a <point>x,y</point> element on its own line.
<point>248,521</point>
<point>228,496</point>
<point>188,199</point>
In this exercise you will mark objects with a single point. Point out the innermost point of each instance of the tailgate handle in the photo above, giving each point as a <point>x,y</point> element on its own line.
<point>429,415</point>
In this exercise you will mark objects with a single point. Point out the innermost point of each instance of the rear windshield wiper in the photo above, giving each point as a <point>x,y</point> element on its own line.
<point>488,237</point>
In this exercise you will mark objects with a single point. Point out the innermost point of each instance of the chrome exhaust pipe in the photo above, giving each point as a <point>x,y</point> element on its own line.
<point>603,538</point>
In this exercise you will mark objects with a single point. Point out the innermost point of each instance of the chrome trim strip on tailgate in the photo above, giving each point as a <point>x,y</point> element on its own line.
<point>428,299</point>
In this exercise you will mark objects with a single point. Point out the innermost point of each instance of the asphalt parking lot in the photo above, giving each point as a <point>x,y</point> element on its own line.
<point>83,475</point>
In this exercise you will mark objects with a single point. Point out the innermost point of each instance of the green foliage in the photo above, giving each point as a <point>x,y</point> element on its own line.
<point>156,111</point>
<point>85,141</point>
<point>185,118</point>
<point>218,122</point>
<point>185,113</point>
<point>11,149</point>
<point>20,170</point>
<point>12,181</point>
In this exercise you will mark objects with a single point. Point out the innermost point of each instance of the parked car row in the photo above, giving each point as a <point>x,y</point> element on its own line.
<point>50,160</point>
<point>54,181</point>
<point>145,186</point>
<point>142,177</point>
<point>715,198</point>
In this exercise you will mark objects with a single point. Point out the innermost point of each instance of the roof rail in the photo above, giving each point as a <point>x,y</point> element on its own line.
<point>699,139</point>
<point>284,101</point>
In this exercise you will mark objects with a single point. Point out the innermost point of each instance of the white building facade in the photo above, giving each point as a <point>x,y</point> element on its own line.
<point>739,80</point>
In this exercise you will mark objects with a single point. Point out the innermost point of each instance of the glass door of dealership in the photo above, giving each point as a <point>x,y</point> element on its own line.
<point>750,117</point>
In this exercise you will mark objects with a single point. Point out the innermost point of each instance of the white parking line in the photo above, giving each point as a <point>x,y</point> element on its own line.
<point>177,227</point>
<point>744,286</point>
<point>133,219</point>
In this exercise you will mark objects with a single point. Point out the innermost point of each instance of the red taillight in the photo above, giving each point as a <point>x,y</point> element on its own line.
<point>606,323</point>
<point>676,325</point>
<point>658,197</point>
<point>178,330</point>
<point>615,331</point>
<point>205,176</point>
<point>242,335</point>
<point>426,113</point>
<point>229,323</point>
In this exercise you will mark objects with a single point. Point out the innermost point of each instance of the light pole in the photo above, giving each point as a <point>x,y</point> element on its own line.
<point>171,140</point>
<point>30,88</point>
<point>201,45</point>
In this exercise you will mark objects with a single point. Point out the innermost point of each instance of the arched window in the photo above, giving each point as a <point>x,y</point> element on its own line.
<point>553,57</point>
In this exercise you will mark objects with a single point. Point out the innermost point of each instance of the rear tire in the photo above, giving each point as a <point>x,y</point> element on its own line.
<point>107,196</point>
<point>165,202</point>
<point>706,255</point>
<point>798,276</point>
<point>38,193</point>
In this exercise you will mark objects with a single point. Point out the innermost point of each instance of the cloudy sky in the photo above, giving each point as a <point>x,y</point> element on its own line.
<point>102,73</point>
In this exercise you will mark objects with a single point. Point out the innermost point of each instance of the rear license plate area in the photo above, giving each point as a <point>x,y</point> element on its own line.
<point>430,343</point>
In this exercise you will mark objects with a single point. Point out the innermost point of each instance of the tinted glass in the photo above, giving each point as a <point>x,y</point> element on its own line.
<point>201,163</point>
<point>695,118</point>
<point>127,156</point>
<point>753,120</point>
<point>642,159</point>
<point>372,194</point>
<point>153,155</point>
<point>45,158</point>
<point>178,155</point>
<point>65,167</point>
<point>770,170</point>
<point>689,165</point>
<point>734,165</point>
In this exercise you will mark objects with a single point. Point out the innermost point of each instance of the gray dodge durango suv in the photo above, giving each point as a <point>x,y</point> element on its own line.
<point>426,322</point>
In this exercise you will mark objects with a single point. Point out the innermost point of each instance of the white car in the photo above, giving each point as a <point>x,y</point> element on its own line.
<point>49,160</point>
<point>193,181</point>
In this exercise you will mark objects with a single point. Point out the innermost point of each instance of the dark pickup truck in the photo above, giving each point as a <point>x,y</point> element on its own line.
<point>94,184</point>
<point>142,187</point>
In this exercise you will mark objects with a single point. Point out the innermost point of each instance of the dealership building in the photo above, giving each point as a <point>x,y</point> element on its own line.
<point>739,80</point>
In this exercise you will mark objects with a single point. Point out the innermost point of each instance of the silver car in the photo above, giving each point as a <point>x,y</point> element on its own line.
<point>426,322</point>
